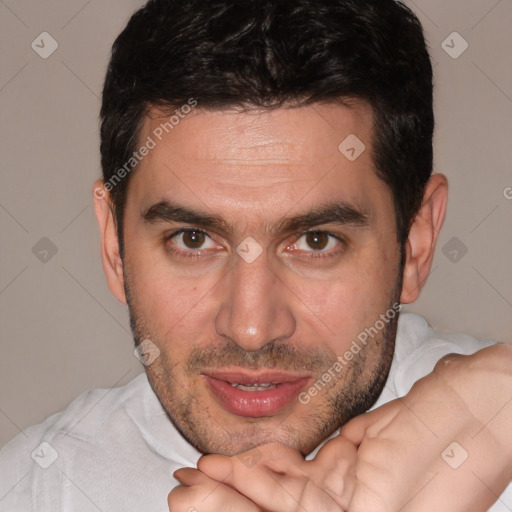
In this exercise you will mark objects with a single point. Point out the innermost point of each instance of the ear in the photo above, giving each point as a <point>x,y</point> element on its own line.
<point>421,243</point>
<point>110,255</point>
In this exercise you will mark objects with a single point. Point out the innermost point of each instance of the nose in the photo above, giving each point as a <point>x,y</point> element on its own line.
<point>255,308</point>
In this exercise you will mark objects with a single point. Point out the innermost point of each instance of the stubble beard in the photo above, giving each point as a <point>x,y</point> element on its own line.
<point>339,402</point>
<point>358,388</point>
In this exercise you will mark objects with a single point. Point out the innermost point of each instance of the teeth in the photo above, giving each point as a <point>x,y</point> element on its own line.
<point>254,387</point>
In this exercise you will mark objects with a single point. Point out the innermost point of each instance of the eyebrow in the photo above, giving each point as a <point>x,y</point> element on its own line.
<point>337,212</point>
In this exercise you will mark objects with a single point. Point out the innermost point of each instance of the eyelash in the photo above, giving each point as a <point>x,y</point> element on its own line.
<point>184,254</point>
<point>320,254</point>
<point>198,253</point>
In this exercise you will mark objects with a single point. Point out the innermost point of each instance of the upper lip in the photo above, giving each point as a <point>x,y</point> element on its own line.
<point>248,377</point>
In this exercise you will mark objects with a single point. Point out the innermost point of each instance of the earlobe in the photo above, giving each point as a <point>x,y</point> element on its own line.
<point>423,236</point>
<point>110,254</point>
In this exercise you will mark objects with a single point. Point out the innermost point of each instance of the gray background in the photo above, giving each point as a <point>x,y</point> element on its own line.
<point>61,330</point>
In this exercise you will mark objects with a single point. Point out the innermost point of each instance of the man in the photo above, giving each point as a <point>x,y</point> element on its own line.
<point>266,207</point>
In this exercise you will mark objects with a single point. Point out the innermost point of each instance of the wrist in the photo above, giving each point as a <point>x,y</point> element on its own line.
<point>483,384</point>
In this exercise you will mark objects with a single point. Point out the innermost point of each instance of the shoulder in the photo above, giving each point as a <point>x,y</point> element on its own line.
<point>90,420</point>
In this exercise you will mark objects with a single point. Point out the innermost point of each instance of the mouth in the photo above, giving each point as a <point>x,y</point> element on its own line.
<point>254,394</point>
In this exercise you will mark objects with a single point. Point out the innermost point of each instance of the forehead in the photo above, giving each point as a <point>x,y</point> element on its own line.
<point>287,134</point>
<point>259,161</point>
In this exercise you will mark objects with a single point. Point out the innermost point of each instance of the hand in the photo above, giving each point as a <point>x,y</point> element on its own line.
<point>199,493</point>
<point>467,400</point>
<point>282,481</point>
<point>405,459</point>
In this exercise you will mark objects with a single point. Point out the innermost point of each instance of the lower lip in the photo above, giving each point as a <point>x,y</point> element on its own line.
<point>255,404</point>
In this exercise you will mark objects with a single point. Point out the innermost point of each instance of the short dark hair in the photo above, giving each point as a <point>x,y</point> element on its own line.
<point>268,53</point>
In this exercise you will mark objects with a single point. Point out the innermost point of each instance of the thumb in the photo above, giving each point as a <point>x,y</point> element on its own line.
<point>217,467</point>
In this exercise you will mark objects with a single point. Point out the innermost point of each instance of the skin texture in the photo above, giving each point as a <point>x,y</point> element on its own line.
<point>386,460</point>
<point>295,307</point>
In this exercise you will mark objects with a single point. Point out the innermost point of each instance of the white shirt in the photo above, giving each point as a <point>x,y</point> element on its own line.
<point>115,450</point>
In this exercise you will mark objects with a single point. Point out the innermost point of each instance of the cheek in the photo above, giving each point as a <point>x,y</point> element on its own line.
<point>172,307</point>
<point>161,286</point>
<point>168,304</point>
<point>354,301</point>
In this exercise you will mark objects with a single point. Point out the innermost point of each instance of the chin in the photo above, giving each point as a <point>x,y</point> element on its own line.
<point>240,436</point>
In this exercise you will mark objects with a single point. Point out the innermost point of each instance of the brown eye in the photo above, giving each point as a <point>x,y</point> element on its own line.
<point>193,239</point>
<point>318,244</point>
<point>317,240</point>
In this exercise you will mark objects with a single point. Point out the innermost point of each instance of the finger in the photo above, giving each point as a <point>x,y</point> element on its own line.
<point>180,499</point>
<point>255,480</point>
<point>275,478</point>
<point>356,429</point>
<point>274,456</point>
<point>204,499</point>
<point>189,476</point>
<point>339,447</point>
<point>334,470</point>
<point>218,467</point>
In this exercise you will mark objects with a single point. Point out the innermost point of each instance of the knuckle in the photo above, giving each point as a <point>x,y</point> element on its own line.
<point>449,363</point>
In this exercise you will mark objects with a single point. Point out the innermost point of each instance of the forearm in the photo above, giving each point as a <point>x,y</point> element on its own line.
<point>449,439</point>
<point>483,383</point>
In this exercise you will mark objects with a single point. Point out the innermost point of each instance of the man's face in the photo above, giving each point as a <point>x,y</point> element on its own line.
<point>255,253</point>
